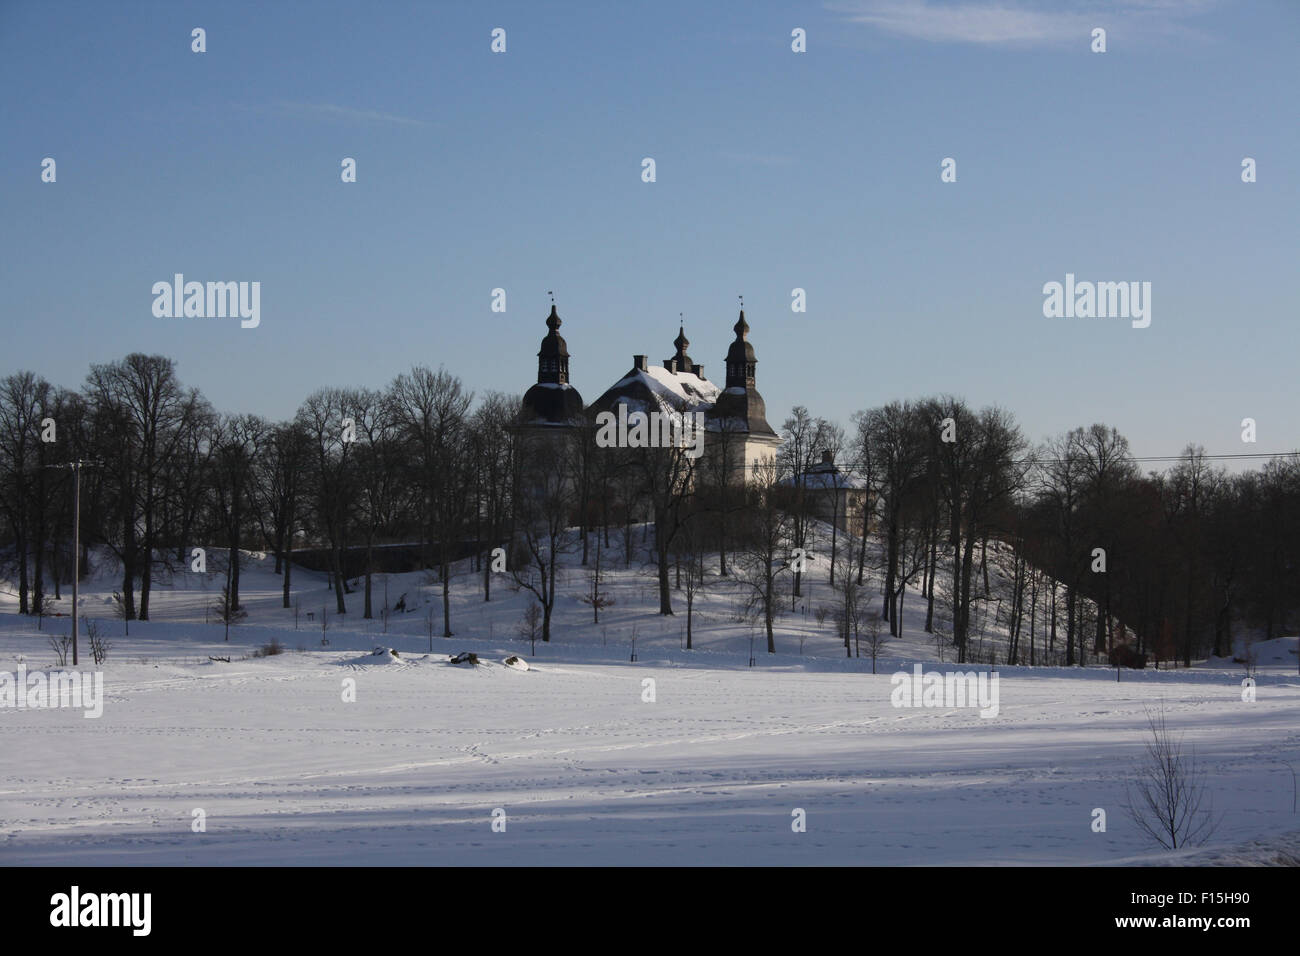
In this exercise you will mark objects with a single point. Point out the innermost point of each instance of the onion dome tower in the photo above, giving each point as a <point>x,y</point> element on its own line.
<point>681,362</point>
<point>740,404</point>
<point>552,401</point>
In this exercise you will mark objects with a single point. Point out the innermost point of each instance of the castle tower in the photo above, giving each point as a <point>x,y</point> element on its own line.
<point>552,401</point>
<point>681,362</point>
<point>739,417</point>
<point>741,362</point>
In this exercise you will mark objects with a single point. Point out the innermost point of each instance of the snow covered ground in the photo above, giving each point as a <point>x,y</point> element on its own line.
<point>585,767</point>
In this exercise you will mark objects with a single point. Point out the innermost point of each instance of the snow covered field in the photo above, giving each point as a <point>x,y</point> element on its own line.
<point>586,769</point>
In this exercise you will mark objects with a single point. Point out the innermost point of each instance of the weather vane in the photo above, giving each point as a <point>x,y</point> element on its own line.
<point>742,301</point>
<point>552,295</point>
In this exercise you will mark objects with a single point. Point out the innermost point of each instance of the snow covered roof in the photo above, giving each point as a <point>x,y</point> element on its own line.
<point>657,389</point>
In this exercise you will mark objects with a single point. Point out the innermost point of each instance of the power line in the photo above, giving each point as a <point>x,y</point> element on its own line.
<point>1057,461</point>
<point>857,465</point>
<point>1277,454</point>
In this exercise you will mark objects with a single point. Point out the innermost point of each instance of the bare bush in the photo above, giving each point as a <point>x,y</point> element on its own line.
<point>228,612</point>
<point>942,637</point>
<point>530,625</point>
<point>1169,800</point>
<point>1251,662</point>
<point>61,644</point>
<point>99,644</point>
<point>876,636</point>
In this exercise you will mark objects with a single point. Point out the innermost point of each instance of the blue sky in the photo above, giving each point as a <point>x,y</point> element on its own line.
<point>775,170</point>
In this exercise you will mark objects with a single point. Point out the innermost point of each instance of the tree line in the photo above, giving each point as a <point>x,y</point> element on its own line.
<point>1102,555</point>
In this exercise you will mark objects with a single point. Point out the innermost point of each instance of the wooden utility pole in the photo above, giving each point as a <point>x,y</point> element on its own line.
<point>76,467</point>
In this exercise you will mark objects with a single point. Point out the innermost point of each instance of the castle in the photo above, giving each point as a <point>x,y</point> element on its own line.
<point>736,430</point>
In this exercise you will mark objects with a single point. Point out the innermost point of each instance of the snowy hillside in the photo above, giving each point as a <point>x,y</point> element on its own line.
<point>330,753</point>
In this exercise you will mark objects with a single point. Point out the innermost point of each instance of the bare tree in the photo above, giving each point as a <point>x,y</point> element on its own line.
<point>530,624</point>
<point>763,541</point>
<point>543,498</point>
<point>61,644</point>
<point>899,436</point>
<point>432,412</point>
<point>876,636</point>
<point>833,441</point>
<point>279,482</point>
<point>803,438</point>
<point>226,607</point>
<point>979,471</point>
<point>494,451</point>
<point>22,396</point>
<point>328,417</point>
<point>152,413</point>
<point>665,479</point>
<point>690,551</point>
<point>99,643</point>
<point>597,598</point>
<point>236,444</point>
<point>1168,799</point>
<point>1108,470</point>
<point>379,461</point>
<point>849,595</point>
<point>723,479</point>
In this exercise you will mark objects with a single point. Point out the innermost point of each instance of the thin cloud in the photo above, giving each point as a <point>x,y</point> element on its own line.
<point>993,22</point>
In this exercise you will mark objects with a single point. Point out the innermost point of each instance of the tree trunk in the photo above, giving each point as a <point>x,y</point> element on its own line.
<point>445,573</point>
<point>862,547</point>
<point>286,544</point>
<point>1033,607</point>
<point>337,560</point>
<point>967,567</point>
<point>1069,625</point>
<point>835,513</point>
<point>767,615</point>
<point>665,591</point>
<point>887,611</point>
<point>286,567</point>
<point>933,571</point>
<point>20,542</point>
<point>367,613</point>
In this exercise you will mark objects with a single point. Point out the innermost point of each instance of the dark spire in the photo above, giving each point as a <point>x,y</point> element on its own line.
<point>553,357</point>
<point>680,361</point>
<point>740,357</point>
<point>740,407</point>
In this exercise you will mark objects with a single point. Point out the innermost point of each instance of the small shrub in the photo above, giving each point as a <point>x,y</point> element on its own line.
<point>269,650</point>
<point>1169,798</point>
<point>61,644</point>
<point>99,645</point>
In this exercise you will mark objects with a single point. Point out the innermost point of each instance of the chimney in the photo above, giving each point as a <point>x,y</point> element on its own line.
<point>826,457</point>
<point>640,363</point>
<point>698,370</point>
<point>671,365</point>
